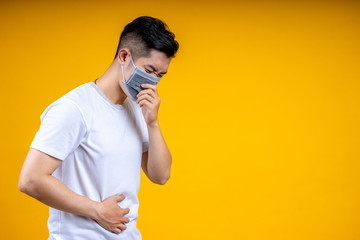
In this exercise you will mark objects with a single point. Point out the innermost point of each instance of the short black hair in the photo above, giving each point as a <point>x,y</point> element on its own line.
<point>146,33</point>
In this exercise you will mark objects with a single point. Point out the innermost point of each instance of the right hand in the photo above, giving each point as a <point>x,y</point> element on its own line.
<point>110,215</point>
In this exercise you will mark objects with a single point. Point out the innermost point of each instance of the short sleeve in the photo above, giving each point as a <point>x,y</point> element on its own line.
<point>145,133</point>
<point>61,130</point>
<point>144,130</point>
<point>140,122</point>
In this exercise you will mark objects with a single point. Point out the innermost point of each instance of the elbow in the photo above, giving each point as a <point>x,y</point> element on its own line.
<point>26,185</point>
<point>161,177</point>
<point>23,186</point>
<point>166,176</point>
<point>163,180</point>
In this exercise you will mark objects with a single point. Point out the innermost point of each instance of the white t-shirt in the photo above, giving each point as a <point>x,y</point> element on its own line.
<point>101,145</point>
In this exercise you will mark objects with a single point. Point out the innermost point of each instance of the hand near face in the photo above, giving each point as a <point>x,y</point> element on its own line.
<point>149,101</point>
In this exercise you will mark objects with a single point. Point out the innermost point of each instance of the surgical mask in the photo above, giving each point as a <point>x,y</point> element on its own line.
<point>133,84</point>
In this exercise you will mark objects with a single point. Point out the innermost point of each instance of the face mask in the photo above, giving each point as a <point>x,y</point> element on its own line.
<point>133,84</point>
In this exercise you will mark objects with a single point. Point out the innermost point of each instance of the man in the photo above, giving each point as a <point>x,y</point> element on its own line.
<point>86,158</point>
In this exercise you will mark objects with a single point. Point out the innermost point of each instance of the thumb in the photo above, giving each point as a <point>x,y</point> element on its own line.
<point>120,197</point>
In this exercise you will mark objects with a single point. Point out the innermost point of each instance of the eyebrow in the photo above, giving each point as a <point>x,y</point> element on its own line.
<point>154,69</point>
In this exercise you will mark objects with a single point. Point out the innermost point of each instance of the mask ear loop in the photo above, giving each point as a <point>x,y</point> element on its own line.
<point>132,61</point>
<point>122,70</point>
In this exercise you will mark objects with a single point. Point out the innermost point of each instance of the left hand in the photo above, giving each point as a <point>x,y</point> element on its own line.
<point>149,101</point>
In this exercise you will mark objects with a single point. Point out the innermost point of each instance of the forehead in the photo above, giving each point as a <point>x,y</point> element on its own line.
<point>157,59</point>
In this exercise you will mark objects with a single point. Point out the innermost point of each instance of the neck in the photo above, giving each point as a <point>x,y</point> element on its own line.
<point>109,84</point>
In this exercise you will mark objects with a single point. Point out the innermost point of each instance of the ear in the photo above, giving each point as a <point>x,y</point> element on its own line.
<point>122,55</point>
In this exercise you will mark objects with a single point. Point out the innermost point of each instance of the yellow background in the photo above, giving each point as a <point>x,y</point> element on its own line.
<point>260,110</point>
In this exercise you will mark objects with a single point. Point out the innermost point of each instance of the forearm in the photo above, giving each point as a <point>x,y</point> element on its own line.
<point>159,156</point>
<point>50,191</point>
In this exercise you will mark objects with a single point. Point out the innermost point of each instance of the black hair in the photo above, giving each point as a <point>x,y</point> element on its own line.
<point>146,33</point>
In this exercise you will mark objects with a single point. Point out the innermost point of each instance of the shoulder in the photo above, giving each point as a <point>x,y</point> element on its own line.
<point>80,99</point>
<point>64,110</point>
<point>70,107</point>
<point>80,95</point>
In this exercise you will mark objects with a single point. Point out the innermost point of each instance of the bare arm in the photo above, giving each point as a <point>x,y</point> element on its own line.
<point>36,181</point>
<point>156,163</point>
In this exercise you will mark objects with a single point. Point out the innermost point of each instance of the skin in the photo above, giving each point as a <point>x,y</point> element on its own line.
<point>35,176</point>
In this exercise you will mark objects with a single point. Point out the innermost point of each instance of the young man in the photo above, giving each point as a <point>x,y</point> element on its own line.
<point>86,157</point>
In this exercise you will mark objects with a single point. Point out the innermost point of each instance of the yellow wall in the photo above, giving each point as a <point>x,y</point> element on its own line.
<point>260,110</point>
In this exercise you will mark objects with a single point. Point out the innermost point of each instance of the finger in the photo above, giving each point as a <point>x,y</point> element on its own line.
<point>146,91</point>
<point>145,97</point>
<point>125,220</point>
<point>122,227</point>
<point>116,230</point>
<point>145,103</point>
<point>147,85</point>
<point>120,197</point>
<point>126,211</point>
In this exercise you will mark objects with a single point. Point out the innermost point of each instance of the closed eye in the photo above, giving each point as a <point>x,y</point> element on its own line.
<point>151,71</point>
